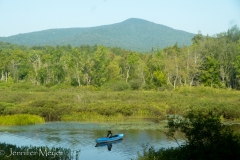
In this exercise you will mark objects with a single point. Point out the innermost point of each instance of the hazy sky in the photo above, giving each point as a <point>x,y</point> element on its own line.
<point>208,16</point>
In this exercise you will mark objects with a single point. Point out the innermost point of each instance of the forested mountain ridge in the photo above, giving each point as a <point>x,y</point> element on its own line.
<point>209,61</point>
<point>132,34</point>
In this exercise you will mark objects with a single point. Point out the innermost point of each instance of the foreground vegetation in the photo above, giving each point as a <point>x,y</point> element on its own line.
<point>68,103</point>
<point>13,152</point>
<point>206,138</point>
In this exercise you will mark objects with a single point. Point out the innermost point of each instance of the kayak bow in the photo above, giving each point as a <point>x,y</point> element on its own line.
<point>113,138</point>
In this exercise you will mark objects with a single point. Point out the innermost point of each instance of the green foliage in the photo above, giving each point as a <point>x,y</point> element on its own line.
<point>74,82</point>
<point>51,110</point>
<point>197,38</point>
<point>210,72</point>
<point>206,138</point>
<point>53,103</point>
<point>210,61</point>
<point>135,84</point>
<point>237,64</point>
<point>162,154</point>
<point>93,117</point>
<point>159,78</point>
<point>113,71</point>
<point>20,119</point>
<point>116,86</point>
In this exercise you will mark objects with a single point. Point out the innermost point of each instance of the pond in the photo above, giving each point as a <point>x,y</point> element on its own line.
<point>81,136</point>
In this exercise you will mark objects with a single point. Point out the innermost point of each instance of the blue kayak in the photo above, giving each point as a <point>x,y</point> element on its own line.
<point>113,138</point>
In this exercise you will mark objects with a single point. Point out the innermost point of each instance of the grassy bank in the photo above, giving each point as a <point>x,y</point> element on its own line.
<point>20,119</point>
<point>89,104</point>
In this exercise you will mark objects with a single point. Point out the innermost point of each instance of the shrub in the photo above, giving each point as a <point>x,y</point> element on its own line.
<point>135,84</point>
<point>116,86</point>
<point>51,110</point>
<point>148,86</point>
<point>74,82</point>
<point>87,88</point>
<point>206,138</point>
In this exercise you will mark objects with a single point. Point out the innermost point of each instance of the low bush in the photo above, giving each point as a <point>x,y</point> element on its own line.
<point>206,138</point>
<point>50,110</point>
<point>116,86</point>
<point>136,84</point>
<point>52,103</point>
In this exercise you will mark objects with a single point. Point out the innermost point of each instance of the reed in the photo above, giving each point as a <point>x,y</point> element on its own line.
<point>92,117</point>
<point>72,103</point>
<point>95,117</point>
<point>20,119</point>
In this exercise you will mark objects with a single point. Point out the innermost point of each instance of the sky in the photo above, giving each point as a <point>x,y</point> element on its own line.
<point>208,16</point>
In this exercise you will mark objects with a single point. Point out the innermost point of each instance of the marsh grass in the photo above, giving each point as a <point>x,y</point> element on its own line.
<point>20,119</point>
<point>90,104</point>
<point>96,117</point>
<point>92,117</point>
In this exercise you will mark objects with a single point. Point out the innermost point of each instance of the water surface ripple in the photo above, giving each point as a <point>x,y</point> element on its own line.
<point>81,136</point>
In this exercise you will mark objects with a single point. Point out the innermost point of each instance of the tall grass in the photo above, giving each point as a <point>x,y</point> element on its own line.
<point>96,117</point>
<point>20,119</point>
<point>89,104</point>
<point>92,117</point>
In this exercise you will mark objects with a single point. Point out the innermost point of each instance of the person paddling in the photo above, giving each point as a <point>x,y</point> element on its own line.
<point>109,135</point>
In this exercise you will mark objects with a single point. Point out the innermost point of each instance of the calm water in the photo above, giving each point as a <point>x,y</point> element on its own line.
<point>81,136</point>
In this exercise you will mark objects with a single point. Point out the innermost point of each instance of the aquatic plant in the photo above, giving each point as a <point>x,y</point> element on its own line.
<point>20,119</point>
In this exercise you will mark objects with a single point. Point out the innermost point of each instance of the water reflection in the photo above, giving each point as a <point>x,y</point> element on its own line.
<point>108,144</point>
<point>82,136</point>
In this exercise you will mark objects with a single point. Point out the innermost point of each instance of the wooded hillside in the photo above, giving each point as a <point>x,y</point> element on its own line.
<point>132,34</point>
<point>210,61</point>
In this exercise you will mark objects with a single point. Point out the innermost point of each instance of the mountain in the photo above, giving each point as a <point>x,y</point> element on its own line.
<point>133,34</point>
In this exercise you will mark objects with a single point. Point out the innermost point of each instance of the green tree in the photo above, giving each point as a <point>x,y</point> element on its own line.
<point>210,72</point>
<point>5,63</point>
<point>132,62</point>
<point>113,70</point>
<point>17,64</point>
<point>75,66</point>
<point>173,65</point>
<point>197,38</point>
<point>57,66</point>
<point>155,69</point>
<point>159,78</point>
<point>101,60</point>
<point>237,66</point>
<point>205,138</point>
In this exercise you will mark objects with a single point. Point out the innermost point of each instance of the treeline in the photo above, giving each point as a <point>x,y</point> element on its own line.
<point>210,60</point>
